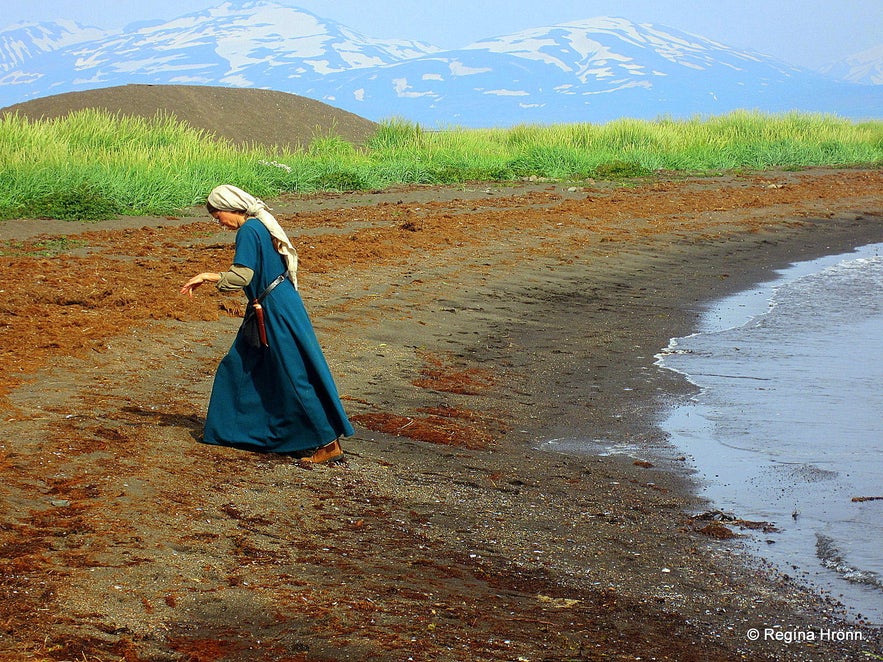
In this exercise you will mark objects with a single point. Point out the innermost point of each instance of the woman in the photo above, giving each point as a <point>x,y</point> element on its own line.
<point>281,397</point>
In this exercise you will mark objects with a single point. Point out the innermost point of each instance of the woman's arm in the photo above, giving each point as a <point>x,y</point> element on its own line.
<point>234,279</point>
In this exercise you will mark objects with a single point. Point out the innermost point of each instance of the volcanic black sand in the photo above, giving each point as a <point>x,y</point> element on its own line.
<point>465,326</point>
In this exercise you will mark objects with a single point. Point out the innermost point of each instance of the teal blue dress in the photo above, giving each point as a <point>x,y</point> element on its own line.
<point>280,398</point>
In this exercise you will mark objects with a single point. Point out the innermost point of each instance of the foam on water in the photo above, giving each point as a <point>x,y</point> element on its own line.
<point>786,427</point>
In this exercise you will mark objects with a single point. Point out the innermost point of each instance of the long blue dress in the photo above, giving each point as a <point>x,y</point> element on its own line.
<point>282,398</point>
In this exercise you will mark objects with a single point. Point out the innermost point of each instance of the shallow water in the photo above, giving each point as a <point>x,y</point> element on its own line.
<point>786,427</point>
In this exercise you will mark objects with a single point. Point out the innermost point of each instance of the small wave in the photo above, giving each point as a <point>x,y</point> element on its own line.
<point>832,558</point>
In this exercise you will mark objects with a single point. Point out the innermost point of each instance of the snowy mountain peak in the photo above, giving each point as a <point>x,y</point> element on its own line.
<point>865,68</point>
<point>23,41</point>
<point>247,32</point>
<point>605,47</point>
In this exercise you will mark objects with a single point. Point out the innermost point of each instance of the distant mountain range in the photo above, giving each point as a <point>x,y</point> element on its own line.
<point>865,68</point>
<point>588,71</point>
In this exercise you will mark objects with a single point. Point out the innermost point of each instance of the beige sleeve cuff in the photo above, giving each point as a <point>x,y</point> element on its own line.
<point>235,279</point>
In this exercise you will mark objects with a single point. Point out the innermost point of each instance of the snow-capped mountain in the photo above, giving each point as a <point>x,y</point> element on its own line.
<point>865,68</point>
<point>250,44</point>
<point>592,70</point>
<point>19,43</point>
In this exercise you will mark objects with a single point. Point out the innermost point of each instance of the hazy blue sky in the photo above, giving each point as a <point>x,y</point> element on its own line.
<point>808,33</point>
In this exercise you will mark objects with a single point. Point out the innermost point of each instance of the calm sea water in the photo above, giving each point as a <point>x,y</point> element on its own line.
<point>788,424</point>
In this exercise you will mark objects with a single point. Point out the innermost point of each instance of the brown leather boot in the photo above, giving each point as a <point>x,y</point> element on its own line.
<point>328,453</point>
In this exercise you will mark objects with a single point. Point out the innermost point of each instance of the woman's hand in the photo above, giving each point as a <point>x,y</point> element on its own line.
<point>198,280</point>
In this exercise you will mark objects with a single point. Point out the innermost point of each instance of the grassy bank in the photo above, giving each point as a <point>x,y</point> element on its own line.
<point>93,165</point>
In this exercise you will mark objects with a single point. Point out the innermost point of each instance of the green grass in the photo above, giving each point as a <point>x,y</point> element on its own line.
<point>93,165</point>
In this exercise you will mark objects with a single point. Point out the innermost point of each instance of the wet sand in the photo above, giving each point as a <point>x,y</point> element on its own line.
<point>465,327</point>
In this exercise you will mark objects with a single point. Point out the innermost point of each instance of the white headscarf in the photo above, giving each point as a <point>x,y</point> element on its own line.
<point>229,198</point>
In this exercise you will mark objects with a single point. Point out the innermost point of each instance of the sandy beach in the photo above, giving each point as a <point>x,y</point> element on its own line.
<point>466,326</point>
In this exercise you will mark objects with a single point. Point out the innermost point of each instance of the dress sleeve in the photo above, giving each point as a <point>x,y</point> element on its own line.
<point>235,279</point>
<point>247,247</point>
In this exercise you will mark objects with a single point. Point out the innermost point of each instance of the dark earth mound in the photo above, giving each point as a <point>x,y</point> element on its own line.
<point>244,116</point>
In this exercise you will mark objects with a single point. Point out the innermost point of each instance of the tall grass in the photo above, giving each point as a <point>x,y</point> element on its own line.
<point>93,165</point>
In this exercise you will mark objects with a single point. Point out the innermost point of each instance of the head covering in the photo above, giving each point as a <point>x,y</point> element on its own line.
<point>229,198</point>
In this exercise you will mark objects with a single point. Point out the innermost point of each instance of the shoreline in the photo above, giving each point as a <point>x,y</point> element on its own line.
<point>795,480</point>
<point>463,327</point>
